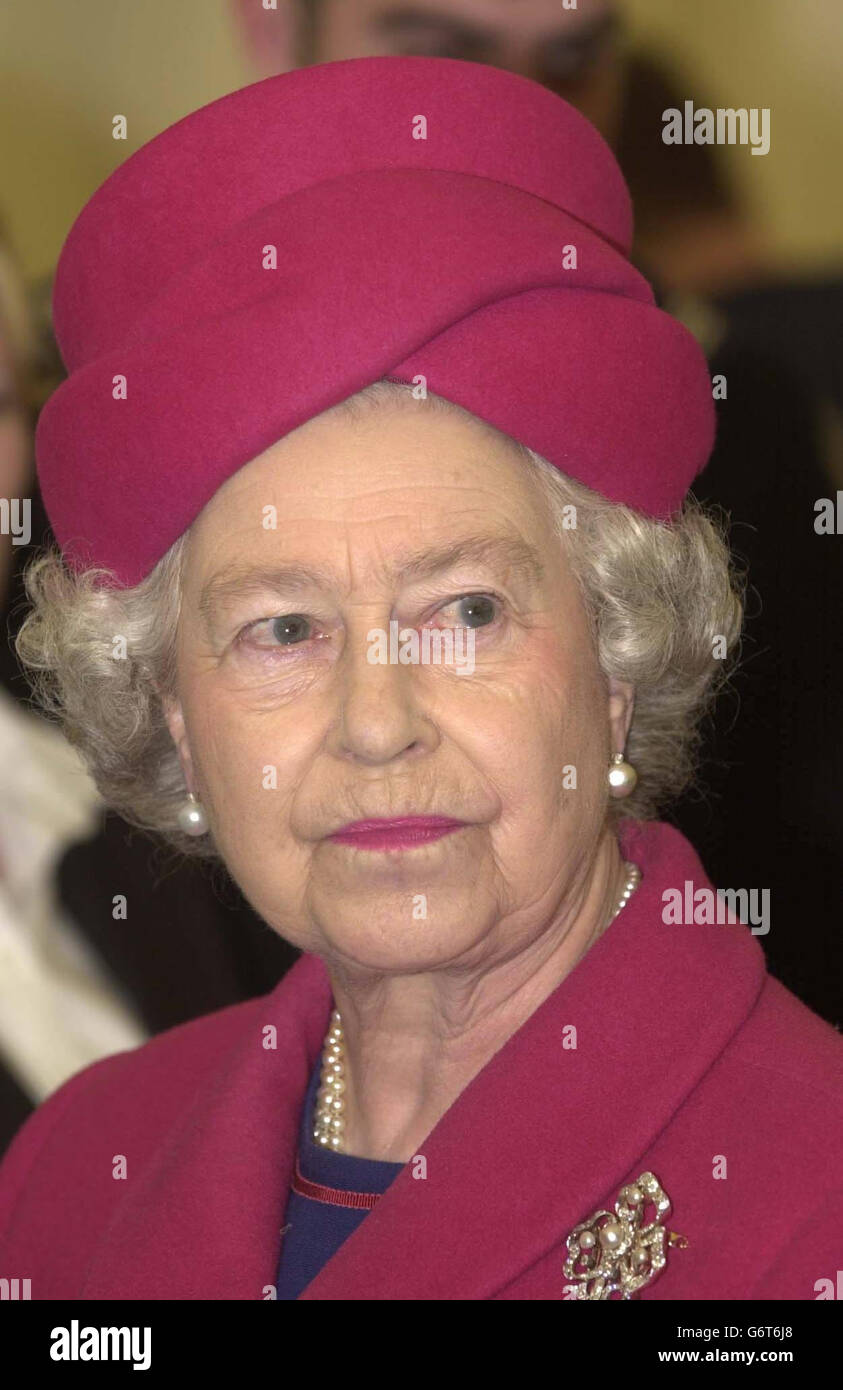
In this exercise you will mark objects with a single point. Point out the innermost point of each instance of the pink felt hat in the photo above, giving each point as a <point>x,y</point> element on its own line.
<point>430,218</point>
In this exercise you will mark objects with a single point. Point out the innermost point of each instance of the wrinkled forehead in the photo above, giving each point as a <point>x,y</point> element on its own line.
<point>391,475</point>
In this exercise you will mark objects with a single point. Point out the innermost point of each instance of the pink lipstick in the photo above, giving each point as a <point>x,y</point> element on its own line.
<point>406,832</point>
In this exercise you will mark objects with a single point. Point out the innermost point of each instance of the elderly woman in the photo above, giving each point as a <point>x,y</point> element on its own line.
<point>378,582</point>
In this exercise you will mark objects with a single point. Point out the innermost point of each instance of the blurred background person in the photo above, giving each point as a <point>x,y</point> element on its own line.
<point>689,223</point>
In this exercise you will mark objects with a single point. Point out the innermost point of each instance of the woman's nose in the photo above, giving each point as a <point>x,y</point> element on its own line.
<point>380,715</point>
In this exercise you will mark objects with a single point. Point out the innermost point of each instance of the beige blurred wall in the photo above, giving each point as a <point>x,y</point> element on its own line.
<point>787,55</point>
<point>68,66</point>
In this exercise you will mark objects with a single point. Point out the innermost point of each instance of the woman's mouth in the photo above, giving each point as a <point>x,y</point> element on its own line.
<point>405,832</point>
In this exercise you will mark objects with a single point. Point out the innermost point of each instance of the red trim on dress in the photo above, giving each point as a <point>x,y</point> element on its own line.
<point>334,1196</point>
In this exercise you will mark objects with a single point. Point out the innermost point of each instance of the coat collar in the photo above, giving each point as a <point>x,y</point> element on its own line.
<point>532,1146</point>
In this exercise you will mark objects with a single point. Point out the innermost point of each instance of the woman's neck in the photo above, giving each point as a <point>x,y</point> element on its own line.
<point>414,1042</point>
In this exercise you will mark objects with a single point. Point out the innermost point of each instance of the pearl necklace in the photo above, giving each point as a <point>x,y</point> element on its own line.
<point>329,1119</point>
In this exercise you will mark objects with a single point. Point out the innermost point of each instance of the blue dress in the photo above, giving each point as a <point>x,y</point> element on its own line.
<point>317,1223</point>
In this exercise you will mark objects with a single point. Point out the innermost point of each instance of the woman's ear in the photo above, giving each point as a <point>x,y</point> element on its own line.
<point>174,716</point>
<point>621,705</point>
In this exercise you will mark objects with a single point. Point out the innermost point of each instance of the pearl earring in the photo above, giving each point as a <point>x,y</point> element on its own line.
<point>622,776</point>
<point>192,818</point>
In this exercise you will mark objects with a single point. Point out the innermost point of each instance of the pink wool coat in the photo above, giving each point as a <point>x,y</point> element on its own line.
<point>690,1062</point>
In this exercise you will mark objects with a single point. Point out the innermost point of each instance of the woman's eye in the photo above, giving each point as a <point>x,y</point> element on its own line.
<point>287,631</point>
<point>474,610</point>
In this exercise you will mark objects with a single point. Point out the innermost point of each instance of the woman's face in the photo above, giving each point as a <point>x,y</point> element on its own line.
<point>287,731</point>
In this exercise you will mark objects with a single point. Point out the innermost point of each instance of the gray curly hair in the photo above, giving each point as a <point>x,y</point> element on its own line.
<point>663,603</point>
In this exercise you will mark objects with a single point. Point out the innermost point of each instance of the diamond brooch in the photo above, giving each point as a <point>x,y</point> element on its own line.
<point>617,1253</point>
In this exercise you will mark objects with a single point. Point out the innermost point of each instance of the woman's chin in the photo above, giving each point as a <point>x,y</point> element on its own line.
<point>391,934</point>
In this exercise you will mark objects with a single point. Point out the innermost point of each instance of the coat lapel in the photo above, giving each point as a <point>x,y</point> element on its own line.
<point>545,1134</point>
